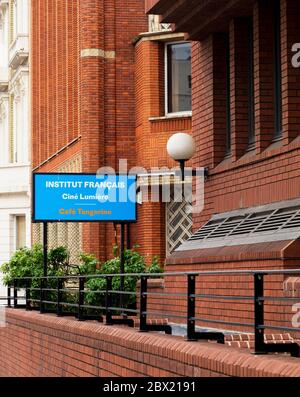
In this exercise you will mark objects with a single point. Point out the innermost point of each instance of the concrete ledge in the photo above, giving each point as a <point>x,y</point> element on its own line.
<point>45,345</point>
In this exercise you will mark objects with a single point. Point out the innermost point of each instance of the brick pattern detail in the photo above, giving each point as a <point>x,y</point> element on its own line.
<point>56,71</point>
<point>35,345</point>
<point>246,341</point>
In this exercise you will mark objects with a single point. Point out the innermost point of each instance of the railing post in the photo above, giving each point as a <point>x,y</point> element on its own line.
<point>259,314</point>
<point>143,304</point>
<point>192,334</point>
<point>9,296</point>
<point>191,306</point>
<point>15,294</point>
<point>59,297</point>
<point>108,301</point>
<point>27,294</point>
<point>81,298</point>
<point>42,283</point>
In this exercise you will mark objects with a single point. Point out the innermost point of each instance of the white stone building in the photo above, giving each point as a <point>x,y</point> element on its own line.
<point>15,168</point>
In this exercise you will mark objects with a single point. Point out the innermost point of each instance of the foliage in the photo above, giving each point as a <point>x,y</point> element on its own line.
<point>155,266</point>
<point>28,262</point>
<point>134,263</point>
<point>88,264</point>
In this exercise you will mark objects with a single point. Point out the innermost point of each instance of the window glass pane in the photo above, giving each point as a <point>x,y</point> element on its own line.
<point>179,78</point>
<point>20,232</point>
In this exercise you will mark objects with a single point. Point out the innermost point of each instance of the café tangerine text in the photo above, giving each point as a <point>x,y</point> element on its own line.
<point>80,211</point>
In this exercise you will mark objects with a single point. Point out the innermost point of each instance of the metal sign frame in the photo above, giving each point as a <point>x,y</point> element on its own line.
<point>78,221</point>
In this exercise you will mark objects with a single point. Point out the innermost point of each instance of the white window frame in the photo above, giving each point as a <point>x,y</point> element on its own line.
<point>167,113</point>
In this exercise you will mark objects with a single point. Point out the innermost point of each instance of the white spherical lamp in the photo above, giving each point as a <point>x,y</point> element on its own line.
<point>181,146</point>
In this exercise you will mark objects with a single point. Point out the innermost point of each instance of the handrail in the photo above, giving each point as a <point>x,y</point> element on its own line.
<point>110,308</point>
<point>167,274</point>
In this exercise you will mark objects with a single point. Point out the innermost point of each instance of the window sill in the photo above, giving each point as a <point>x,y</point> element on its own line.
<point>251,157</point>
<point>172,116</point>
<point>14,165</point>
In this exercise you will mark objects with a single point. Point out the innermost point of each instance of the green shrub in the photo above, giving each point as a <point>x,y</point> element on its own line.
<point>134,263</point>
<point>155,266</point>
<point>28,262</point>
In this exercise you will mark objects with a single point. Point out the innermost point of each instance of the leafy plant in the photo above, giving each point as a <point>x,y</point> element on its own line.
<point>134,263</point>
<point>155,266</point>
<point>28,262</point>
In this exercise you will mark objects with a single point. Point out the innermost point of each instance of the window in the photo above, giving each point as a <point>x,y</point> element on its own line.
<point>277,71</point>
<point>20,231</point>
<point>178,78</point>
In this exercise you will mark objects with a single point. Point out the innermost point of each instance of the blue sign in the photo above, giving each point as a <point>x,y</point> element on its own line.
<point>84,198</point>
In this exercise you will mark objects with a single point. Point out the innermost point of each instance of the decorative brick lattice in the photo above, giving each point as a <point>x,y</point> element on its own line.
<point>179,222</point>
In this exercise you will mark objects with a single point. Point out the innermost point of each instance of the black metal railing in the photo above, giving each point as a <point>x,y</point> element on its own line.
<point>66,295</point>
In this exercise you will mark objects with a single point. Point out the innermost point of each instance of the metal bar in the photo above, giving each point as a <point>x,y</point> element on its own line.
<point>292,348</point>
<point>164,314</point>
<point>42,306</point>
<point>81,298</point>
<point>125,309</point>
<point>108,301</point>
<point>122,262</point>
<point>169,274</point>
<point>15,294</point>
<point>144,327</point>
<point>225,297</point>
<point>117,292</point>
<point>59,297</point>
<point>128,236</point>
<point>205,320</point>
<point>27,295</point>
<point>259,341</point>
<point>192,335</point>
<point>191,307</point>
<point>143,304</point>
<point>9,296</point>
<point>45,248</point>
<point>274,327</point>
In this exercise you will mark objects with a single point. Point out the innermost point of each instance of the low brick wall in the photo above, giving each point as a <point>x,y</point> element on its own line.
<point>44,345</point>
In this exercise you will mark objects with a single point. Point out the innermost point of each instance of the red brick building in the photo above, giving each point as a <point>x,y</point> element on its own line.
<point>98,97</point>
<point>109,83</point>
<point>246,123</point>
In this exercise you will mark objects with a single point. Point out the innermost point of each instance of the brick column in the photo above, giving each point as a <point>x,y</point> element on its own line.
<point>91,106</point>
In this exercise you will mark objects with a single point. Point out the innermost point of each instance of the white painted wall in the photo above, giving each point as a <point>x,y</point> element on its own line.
<point>14,176</point>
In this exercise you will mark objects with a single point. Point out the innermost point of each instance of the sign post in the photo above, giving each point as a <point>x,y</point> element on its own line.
<point>122,262</point>
<point>45,248</point>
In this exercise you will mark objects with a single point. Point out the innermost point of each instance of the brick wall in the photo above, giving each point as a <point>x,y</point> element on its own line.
<point>44,345</point>
<point>269,173</point>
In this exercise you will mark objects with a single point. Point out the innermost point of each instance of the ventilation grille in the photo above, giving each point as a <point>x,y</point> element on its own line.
<point>272,222</point>
<point>249,224</point>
